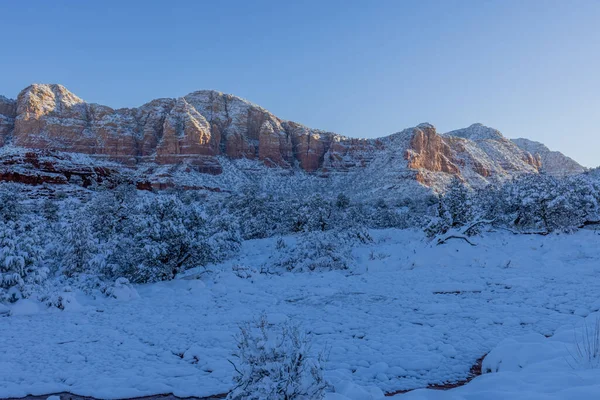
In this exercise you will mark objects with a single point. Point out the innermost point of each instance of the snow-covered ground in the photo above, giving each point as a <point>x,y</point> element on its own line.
<point>410,314</point>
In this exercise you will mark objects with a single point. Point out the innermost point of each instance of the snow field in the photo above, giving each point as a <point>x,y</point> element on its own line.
<point>407,315</point>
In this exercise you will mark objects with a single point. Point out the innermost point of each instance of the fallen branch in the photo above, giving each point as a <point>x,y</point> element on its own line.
<point>462,234</point>
<point>448,237</point>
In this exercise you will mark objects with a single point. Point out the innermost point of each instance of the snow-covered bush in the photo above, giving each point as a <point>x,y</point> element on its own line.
<point>275,363</point>
<point>243,271</point>
<point>62,299</point>
<point>11,208</point>
<point>587,346</point>
<point>166,238</point>
<point>258,215</point>
<point>21,261</point>
<point>224,237</point>
<point>383,215</point>
<point>318,251</point>
<point>342,201</point>
<point>79,247</point>
<point>50,210</point>
<point>121,290</point>
<point>530,203</point>
<point>456,204</point>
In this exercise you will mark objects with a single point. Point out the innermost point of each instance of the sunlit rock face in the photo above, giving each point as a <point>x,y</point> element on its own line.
<point>203,128</point>
<point>552,162</point>
<point>430,151</point>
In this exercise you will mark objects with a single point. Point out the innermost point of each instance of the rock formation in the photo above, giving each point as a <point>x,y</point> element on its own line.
<point>197,130</point>
<point>8,112</point>
<point>552,162</point>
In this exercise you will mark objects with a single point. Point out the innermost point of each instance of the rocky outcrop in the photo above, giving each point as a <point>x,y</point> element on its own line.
<point>475,154</point>
<point>186,134</point>
<point>192,129</point>
<point>429,151</point>
<point>8,112</point>
<point>552,162</point>
<point>46,167</point>
<point>197,130</point>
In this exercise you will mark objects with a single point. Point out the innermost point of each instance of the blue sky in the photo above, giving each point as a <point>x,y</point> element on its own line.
<point>360,68</point>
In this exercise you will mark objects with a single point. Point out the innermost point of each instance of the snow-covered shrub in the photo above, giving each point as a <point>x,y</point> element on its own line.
<point>50,210</point>
<point>164,238</point>
<point>436,226</point>
<point>313,215</point>
<point>79,247</point>
<point>587,346</point>
<point>354,235</point>
<point>10,204</point>
<point>224,238</point>
<point>454,209</point>
<point>243,271</point>
<point>280,244</point>
<point>383,215</point>
<point>258,215</point>
<point>62,299</point>
<point>456,203</point>
<point>440,222</point>
<point>121,290</point>
<point>542,203</point>
<point>317,251</point>
<point>21,261</point>
<point>342,201</point>
<point>275,362</point>
<point>111,211</point>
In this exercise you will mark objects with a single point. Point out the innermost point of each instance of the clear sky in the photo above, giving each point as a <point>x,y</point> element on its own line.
<point>530,68</point>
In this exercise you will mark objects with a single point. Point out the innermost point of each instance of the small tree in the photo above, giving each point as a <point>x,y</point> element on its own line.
<point>457,203</point>
<point>10,206</point>
<point>50,210</point>
<point>318,251</point>
<point>80,247</point>
<point>274,363</point>
<point>342,202</point>
<point>164,238</point>
<point>21,263</point>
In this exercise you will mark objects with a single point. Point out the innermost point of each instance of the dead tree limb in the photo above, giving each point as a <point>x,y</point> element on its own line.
<point>462,233</point>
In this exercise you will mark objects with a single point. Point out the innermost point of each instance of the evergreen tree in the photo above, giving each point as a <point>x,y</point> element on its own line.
<point>21,262</point>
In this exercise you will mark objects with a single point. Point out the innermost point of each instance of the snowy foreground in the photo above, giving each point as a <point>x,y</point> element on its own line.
<point>410,315</point>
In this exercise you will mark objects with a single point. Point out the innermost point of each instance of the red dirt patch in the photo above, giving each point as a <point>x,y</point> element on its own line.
<point>474,372</point>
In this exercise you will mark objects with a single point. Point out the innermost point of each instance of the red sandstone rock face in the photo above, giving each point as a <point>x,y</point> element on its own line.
<point>185,134</point>
<point>195,129</point>
<point>192,129</point>
<point>429,151</point>
<point>309,146</point>
<point>38,167</point>
<point>477,150</point>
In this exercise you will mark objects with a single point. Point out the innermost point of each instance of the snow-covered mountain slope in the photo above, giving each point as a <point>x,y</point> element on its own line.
<point>553,162</point>
<point>211,136</point>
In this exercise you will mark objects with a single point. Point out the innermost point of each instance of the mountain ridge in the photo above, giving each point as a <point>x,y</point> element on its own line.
<point>199,129</point>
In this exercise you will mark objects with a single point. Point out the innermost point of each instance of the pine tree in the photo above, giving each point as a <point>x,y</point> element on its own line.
<point>21,262</point>
<point>457,203</point>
